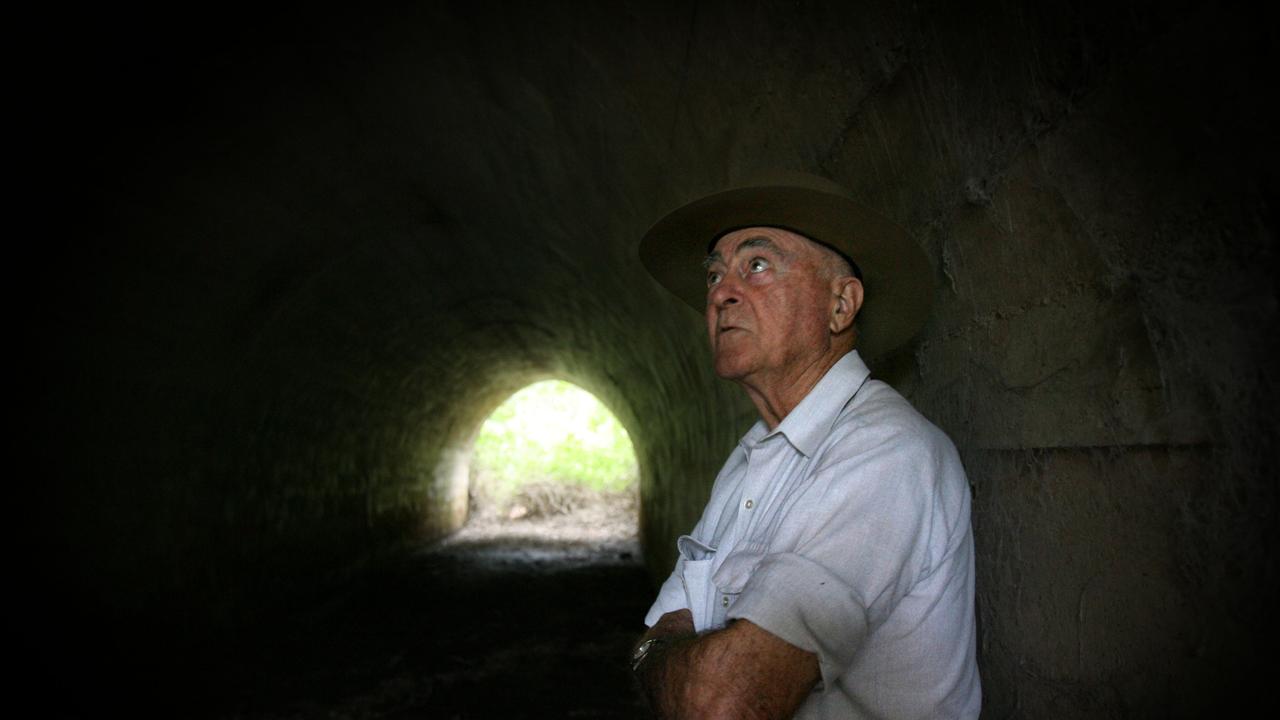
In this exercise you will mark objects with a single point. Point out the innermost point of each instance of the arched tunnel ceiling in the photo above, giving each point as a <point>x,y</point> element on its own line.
<point>304,255</point>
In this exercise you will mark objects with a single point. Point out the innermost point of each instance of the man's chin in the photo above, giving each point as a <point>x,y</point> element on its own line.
<point>730,368</point>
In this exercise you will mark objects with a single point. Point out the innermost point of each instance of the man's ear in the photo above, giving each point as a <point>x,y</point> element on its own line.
<point>845,304</point>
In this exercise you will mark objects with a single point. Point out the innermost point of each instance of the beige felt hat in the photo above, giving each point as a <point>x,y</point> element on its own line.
<point>896,274</point>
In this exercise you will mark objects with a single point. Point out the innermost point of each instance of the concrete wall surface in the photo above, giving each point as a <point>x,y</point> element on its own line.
<point>288,263</point>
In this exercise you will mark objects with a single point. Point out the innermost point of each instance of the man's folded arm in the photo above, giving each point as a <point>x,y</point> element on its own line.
<point>741,672</point>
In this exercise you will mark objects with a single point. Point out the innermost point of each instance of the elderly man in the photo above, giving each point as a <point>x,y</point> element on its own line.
<point>831,573</point>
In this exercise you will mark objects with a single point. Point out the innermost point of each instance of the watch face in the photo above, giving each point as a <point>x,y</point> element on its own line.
<point>638,656</point>
<point>643,649</point>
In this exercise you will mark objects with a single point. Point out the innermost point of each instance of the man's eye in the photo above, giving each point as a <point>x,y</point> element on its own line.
<point>757,265</point>
<point>713,278</point>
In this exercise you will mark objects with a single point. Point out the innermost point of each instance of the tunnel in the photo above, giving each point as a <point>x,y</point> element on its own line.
<point>286,262</point>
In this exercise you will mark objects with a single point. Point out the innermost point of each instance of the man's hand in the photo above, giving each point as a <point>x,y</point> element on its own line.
<point>741,672</point>
<point>671,625</point>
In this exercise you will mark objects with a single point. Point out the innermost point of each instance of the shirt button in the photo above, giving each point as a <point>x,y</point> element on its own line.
<point>725,601</point>
<point>750,504</point>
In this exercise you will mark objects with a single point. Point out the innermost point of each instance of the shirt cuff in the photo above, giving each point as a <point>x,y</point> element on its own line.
<point>801,602</point>
<point>670,598</point>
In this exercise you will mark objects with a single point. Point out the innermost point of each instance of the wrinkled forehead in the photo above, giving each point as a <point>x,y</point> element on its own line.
<point>779,240</point>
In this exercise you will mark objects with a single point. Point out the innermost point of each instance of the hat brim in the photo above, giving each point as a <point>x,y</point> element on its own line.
<point>897,275</point>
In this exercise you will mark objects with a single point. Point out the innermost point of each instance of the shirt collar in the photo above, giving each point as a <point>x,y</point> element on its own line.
<point>810,422</point>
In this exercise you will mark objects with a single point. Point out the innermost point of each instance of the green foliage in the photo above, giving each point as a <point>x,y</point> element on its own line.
<point>551,431</point>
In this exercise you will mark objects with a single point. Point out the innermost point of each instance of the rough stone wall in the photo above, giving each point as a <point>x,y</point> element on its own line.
<point>300,259</point>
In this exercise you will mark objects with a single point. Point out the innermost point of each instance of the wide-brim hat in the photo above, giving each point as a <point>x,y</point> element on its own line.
<point>896,275</point>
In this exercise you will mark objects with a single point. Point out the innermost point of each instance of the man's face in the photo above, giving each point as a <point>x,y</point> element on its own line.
<point>768,304</point>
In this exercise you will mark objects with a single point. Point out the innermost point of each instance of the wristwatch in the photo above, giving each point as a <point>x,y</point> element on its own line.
<point>643,651</point>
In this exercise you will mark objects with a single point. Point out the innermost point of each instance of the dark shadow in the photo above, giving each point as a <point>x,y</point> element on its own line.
<point>529,622</point>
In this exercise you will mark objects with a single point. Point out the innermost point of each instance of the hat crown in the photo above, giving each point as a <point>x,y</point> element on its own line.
<point>778,177</point>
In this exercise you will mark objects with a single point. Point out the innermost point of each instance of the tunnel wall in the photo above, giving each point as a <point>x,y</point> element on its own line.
<point>301,259</point>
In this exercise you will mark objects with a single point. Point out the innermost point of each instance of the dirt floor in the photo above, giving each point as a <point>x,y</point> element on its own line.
<point>531,618</point>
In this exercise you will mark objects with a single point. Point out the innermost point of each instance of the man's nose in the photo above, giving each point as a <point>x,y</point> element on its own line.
<point>726,292</point>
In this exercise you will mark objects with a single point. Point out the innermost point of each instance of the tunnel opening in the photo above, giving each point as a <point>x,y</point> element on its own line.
<point>550,474</point>
<point>550,449</point>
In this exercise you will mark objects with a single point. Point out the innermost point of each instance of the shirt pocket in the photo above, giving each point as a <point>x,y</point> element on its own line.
<point>694,566</point>
<point>729,580</point>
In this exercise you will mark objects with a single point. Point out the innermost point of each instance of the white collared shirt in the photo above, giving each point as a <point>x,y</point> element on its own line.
<point>845,531</point>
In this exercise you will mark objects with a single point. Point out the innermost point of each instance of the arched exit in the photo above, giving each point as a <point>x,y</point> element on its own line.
<point>553,453</point>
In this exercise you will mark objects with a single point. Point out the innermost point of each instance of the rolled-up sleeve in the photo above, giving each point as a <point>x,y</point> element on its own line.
<point>803,603</point>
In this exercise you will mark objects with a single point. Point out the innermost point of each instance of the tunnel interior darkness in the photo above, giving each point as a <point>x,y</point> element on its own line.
<point>290,262</point>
